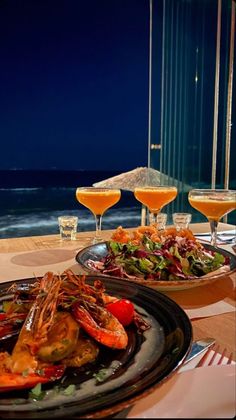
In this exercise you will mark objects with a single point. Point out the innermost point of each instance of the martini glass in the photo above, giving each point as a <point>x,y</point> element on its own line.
<point>214,204</point>
<point>155,198</point>
<point>98,200</point>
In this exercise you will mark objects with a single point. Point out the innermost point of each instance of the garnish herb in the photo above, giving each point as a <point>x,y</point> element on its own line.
<point>70,390</point>
<point>37,393</point>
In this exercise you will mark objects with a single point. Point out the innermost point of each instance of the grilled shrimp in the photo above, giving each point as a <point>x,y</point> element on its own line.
<point>100,324</point>
<point>23,368</point>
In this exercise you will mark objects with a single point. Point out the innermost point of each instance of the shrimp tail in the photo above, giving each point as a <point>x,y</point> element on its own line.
<point>11,381</point>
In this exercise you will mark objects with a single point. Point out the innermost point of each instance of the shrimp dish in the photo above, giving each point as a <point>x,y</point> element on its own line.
<point>59,322</point>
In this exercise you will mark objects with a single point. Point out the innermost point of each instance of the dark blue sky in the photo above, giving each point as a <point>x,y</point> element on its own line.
<point>74,84</point>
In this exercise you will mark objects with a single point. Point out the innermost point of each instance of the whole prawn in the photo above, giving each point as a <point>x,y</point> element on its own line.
<point>100,324</point>
<point>22,368</point>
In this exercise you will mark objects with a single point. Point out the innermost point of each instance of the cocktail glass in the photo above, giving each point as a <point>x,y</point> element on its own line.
<point>155,198</point>
<point>214,204</point>
<point>98,200</point>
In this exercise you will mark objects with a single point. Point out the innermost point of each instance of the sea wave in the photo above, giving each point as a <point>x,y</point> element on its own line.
<point>46,223</point>
<point>32,211</point>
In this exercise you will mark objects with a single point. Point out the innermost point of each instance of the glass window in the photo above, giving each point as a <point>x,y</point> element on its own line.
<point>190,91</point>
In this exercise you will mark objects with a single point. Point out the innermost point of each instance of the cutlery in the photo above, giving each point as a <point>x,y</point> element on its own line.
<point>204,360</point>
<point>229,233</point>
<point>199,347</point>
<point>227,238</point>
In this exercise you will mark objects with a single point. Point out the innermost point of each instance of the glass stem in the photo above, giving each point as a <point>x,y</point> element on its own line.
<point>153,218</point>
<point>98,221</point>
<point>143,215</point>
<point>213,225</point>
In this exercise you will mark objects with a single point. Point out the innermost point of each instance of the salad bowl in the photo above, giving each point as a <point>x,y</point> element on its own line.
<point>91,259</point>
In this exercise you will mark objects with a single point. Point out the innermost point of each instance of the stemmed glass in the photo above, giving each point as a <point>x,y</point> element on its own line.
<point>214,204</point>
<point>155,198</point>
<point>98,200</point>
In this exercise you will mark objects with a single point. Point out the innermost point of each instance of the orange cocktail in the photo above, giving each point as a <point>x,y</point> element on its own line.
<point>214,208</point>
<point>155,197</point>
<point>98,200</point>
<point>214,204</point>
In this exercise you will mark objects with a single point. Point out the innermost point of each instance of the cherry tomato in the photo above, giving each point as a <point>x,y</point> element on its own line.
<point>123,310</point>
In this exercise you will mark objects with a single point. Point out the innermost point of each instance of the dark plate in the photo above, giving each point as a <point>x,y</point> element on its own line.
<point>98,251</point>
<point>148,361</point>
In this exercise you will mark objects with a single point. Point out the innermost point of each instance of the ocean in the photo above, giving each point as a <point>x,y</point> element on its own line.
<point>34,211</point>
<point>31,202</point>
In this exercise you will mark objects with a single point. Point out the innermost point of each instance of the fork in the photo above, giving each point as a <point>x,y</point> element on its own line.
<point>205,362</point>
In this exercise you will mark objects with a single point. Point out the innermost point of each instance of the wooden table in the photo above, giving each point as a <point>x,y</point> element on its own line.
<point>221,327</point>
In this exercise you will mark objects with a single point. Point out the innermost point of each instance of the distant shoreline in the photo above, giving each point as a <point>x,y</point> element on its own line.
<point>20,178</point>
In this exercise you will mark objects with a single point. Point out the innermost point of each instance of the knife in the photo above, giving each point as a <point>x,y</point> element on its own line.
<point>199,347</point>
<point>223,233</point>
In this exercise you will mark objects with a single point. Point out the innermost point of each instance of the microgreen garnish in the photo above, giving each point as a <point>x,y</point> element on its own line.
<point>36,393</point>
<point>70,390</point>
<point>101,375</point>
<point>25,373</point>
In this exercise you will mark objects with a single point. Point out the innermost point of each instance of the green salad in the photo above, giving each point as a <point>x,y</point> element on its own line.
<point>172,258</point>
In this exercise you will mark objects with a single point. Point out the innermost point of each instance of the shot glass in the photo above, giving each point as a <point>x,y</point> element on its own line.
<point>68,227</point>
<point>159,220</point>
<point>181,220</point>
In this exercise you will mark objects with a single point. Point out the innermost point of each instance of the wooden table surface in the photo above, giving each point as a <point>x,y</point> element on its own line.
<point>221,327</point>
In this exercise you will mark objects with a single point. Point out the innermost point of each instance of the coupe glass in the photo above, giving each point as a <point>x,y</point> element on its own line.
<point>98,200</point>
<point>155,198</point>
<point>214,204</point>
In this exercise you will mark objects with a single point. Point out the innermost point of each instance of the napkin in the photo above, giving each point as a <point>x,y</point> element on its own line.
<point>179,397</point>
<point>216,308</point>
<point>207,392</point>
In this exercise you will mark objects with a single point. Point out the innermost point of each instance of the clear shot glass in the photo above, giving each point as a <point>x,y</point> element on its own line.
<point>159,221</point>
<point>181,220</point>
<point>68,227</point>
